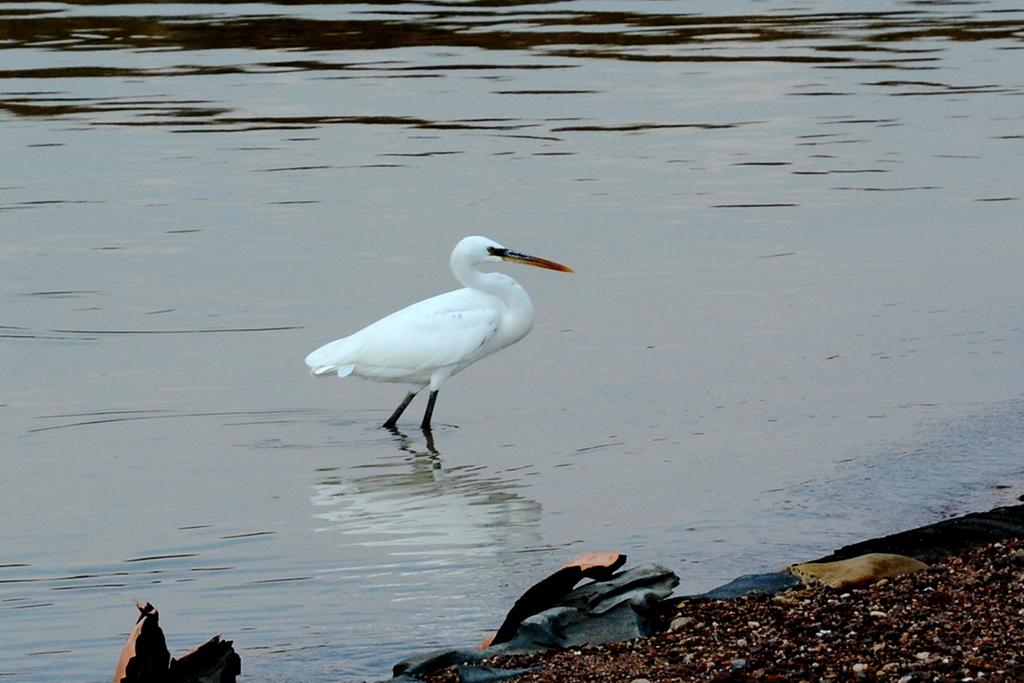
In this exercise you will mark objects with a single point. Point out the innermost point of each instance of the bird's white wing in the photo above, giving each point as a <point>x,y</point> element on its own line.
<point>444,331</point>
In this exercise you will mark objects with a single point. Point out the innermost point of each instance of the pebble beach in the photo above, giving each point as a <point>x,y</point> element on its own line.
<point>961,619</point>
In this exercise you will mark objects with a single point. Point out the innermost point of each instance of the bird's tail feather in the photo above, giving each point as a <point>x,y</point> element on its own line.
<point>324,370</point>
<point>331,358</point>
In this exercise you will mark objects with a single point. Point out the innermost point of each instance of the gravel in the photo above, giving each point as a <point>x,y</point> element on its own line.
<point>960,620</point>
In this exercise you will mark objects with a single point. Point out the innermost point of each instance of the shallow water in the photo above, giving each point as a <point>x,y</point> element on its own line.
<point>795,320</point>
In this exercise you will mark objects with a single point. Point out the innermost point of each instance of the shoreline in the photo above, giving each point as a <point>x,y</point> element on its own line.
<point>960,619</point>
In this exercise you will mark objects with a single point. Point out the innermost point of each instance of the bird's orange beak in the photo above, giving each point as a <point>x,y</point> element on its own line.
<point>527,260</point>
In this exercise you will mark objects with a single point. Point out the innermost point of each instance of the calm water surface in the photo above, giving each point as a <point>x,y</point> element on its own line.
<point>796,319</point>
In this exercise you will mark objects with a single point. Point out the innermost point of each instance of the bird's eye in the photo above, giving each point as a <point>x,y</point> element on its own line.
<point>497,251</point>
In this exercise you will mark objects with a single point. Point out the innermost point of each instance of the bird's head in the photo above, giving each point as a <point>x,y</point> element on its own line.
<point>477,250</point>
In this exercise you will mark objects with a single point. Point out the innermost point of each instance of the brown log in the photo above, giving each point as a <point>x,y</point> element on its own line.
<point>145,658</point>
<point>598,565</point>
<point>215,661</point>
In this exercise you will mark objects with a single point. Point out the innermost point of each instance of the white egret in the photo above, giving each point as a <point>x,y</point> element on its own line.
<point>426,343</point>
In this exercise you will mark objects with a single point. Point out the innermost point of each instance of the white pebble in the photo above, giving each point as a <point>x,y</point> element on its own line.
<point>680,622</point>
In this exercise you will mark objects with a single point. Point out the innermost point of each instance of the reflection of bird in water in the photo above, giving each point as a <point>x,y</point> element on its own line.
<point>416,509</point>
<point>405,444</point>
<point>426,343</point>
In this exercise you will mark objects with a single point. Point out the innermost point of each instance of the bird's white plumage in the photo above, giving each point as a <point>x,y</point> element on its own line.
<point>426,343</point>
<point>440,335</point>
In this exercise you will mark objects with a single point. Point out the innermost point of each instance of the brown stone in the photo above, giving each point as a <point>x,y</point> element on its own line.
<point>857,571</point>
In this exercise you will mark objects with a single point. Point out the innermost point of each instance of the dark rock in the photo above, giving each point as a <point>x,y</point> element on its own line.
<point>434,661</point>
<point>486,674</point>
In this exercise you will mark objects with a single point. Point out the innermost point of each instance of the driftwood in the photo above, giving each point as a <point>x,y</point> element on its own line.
<point>145,658</point>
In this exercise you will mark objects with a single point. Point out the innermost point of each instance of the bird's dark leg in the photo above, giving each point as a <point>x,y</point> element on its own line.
<point>393,420</point>
<point>425,425</point>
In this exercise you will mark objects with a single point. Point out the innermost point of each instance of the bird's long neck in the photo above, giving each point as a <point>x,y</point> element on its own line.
<point>498,285</point>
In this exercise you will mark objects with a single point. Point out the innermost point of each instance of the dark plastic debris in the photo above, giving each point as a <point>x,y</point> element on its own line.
<point>751,585</point>
<point>934,541</point>
<point>548,592</point>
<point>619,608</point>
